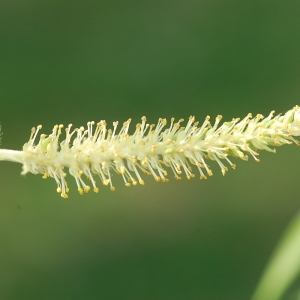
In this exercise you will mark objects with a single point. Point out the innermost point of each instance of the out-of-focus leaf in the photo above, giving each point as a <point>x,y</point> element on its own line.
<point>284,265</point>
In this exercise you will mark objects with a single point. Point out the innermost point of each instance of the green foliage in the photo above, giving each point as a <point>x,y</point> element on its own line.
<point>284,265</point>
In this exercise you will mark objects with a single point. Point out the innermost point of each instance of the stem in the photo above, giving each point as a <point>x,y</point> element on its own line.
<point>11,155</point>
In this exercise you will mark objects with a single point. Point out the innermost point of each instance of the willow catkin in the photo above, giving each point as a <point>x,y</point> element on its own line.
<point>151,149</point>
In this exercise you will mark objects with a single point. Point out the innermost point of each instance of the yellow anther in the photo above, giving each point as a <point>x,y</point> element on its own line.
<point>46,175</point>
<point>86,189</point>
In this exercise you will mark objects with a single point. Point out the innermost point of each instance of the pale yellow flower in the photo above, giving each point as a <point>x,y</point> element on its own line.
<point>151,149</point>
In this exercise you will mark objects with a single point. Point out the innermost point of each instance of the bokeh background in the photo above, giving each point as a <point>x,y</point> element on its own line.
<point>76,61</point>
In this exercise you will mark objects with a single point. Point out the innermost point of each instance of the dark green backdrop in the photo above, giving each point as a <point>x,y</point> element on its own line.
<point>76,61</point>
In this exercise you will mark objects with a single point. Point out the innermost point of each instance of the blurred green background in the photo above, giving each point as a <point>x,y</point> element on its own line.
<point>76,61</point>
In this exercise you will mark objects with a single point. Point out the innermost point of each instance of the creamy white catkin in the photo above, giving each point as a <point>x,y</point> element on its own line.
<point>150,149</point>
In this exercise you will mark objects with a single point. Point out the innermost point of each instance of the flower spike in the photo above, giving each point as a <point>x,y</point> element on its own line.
<point>150,149</point>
